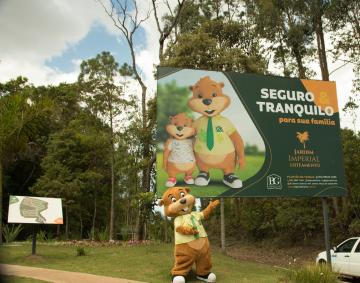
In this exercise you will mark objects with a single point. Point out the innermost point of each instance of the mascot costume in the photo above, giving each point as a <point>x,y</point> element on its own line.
<point>191,242</point>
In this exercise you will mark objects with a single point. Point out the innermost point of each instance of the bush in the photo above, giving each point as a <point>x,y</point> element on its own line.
<point>354,228</point>
<point>10,232</point>
<point>41,236</point>
<point>102,236</point>
<point>80,251</point>
<point>313,274</point>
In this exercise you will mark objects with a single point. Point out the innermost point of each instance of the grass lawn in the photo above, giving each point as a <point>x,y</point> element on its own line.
<point>149,263</point>
<point>15,279</point>
<point>216,187</point>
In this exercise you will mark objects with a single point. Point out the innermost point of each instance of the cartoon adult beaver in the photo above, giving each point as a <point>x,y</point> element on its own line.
<point>191,242</point>
<point>217,144</point>
<point>178,150</point>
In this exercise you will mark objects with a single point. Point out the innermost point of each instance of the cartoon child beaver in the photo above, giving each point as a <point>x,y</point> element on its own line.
<point>178,150</point>
<point>217,144</point>
<point>191,242</point>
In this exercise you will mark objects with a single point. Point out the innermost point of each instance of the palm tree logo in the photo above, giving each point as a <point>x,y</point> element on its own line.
<point>303,137</point>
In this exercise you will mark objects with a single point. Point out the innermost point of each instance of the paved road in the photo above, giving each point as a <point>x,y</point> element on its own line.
<point>58,276</point>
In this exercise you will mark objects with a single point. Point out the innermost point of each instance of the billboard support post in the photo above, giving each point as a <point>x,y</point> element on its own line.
<point>222,228</point>
<point>326,230</point>
<point>33,248</point>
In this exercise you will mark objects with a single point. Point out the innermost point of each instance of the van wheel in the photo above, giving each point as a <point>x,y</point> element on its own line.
<point>322,262</point>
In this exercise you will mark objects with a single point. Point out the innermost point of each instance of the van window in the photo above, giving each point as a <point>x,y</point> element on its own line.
<point>347,246</point>
<point>357,250</point>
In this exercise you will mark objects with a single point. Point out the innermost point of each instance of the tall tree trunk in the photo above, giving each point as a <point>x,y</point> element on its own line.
<point>94,219</point>
<point>66,222</point>
<point>321,47</point>
<point>1,201</point>
<point>112,207</point>
<point>299,62</point>
<point>145,231</point>
<point>283,61</point>
<point>138,228</point>
<point>58,231</point>
<point>81,225</point>
<point>324,74</point>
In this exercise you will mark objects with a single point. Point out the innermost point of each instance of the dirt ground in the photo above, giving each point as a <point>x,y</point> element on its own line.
<point>269,254</point>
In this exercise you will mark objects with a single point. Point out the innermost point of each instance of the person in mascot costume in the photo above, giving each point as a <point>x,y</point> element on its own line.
<point>191,242</point>
<point>218,144</point>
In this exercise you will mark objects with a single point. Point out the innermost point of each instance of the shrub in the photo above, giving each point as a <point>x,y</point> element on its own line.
<point>103,236</point>
<point>10,232</point>
<point>80,251</point>
<point>313,274</point>
<point>354,228</point>
<point>41,236</point>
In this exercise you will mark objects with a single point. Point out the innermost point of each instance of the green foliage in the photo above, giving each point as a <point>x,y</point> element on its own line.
<point>203,49</point>
<point>10,232</point>
<point>349,218</point>
<point>288,31</point>
<point>303,216</point>
<point>177,97</point>
<point>212,38</point>
<point>80,251</point>
<point>102,235</point>
<point>343,18</point>
<point>313,274</point>
<point>41,236</point>
<point>354,227</point>
<point>22,116</point>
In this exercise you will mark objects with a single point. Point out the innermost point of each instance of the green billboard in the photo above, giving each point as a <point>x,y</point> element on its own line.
<point>226,134</point>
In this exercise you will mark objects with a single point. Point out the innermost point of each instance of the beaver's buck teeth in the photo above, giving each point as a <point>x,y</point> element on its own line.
<point>185,209</point>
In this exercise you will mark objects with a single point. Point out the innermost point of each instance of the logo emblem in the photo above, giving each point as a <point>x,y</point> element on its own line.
<point>219,129</point>
<point>274,182</point>
<point>303,137</point>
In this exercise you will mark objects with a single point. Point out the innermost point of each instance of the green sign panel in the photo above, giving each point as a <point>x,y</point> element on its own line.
<point>225,134</point>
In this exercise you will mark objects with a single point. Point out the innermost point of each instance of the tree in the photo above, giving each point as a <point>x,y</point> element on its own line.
<point>350,214</point>
<point>128,24</point>
<point>344,23</point>
<point>74,166</point>
<point>21,118</point>
<point>215,43</point>
<point>286,30</point>
<point>169,25</point>
<point>105,99</point>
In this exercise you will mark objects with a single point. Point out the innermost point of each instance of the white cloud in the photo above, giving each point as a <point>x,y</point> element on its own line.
<point>35,31</point>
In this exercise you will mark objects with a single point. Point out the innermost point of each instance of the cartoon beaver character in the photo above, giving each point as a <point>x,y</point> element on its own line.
<point>191,242</point>
<point>217,144</point>
<point>178,150</point>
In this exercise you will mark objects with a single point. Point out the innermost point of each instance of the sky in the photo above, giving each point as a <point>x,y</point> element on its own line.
<point>46,41</point>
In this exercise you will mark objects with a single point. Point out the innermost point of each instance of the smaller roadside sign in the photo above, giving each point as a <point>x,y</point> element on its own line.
<point>35,210</point>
